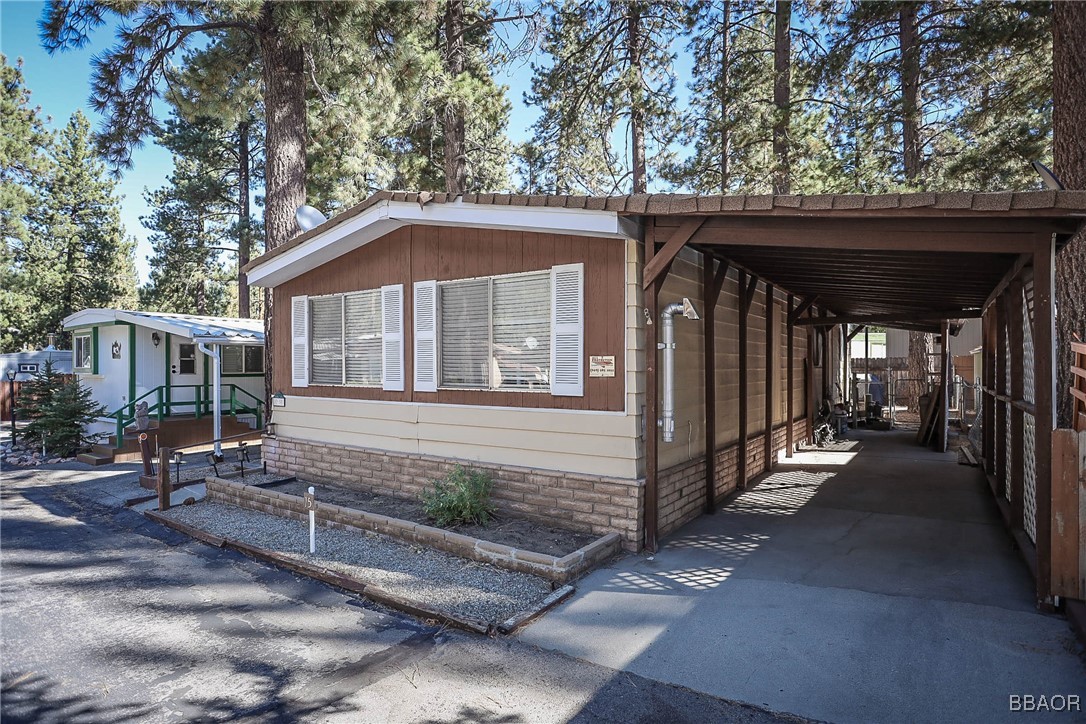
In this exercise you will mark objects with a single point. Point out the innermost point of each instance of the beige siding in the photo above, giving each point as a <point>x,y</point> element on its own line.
<point>578,442</point>
<point>684,280</point>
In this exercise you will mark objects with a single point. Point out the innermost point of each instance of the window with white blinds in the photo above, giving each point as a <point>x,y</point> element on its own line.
<point>326,340</point>
<point>495,333</point>
<point>242,359</point>
<point>362,340</point>
<point>345,339</point>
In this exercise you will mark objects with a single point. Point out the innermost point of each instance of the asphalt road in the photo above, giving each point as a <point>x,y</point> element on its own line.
<point>108,617</point>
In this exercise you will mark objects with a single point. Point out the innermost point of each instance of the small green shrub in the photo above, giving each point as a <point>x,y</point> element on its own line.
<point>461,498</point>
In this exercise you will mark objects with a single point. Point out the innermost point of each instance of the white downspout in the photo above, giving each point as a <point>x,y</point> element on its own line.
<point>216,393</point>
<point>667,334</point>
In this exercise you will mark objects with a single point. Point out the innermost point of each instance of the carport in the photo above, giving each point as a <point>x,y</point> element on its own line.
<point>915,261</point>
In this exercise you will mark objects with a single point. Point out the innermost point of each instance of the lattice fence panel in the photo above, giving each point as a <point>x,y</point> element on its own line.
<point>1007,453</point>
<point>1029,477</point>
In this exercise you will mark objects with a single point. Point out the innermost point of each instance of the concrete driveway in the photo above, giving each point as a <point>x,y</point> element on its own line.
<point>871,585</point>
<point>108,617</point>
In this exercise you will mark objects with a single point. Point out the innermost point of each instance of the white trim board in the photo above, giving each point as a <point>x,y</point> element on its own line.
<point>387,216</point>
<point>540,410</point>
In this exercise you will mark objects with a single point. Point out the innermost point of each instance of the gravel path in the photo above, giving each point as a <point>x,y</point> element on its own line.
<point>437,579</point>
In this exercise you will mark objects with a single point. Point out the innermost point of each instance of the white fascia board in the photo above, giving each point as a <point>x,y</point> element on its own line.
<point>545,219</point>
<point>387,216</point>
<point>228,341</point>
<point>89,318</point>
<point>158,324</point>
<point>371,224</point>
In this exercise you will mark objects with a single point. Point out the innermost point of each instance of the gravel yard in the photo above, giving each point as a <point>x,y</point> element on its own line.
<point>440,580</point>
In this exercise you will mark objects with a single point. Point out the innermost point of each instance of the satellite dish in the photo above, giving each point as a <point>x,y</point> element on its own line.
<point>309,217</point>
<point>1051,182</point>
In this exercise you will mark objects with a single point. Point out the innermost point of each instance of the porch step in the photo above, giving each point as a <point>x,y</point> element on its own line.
<point>94,458</point>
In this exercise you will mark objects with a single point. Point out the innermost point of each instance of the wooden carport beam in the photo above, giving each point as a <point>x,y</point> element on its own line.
<point>889,319</point>
<point>853,333</point>
<point>804,305</point>
<point>657,264</point>
<point>712,283</point>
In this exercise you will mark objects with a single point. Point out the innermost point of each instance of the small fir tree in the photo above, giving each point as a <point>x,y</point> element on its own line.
<point>59,408</point>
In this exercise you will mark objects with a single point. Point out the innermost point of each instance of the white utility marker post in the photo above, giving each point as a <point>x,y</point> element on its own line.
<point>311,506</point>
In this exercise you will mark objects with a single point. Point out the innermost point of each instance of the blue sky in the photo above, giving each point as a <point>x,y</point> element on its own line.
<point>60,84</point>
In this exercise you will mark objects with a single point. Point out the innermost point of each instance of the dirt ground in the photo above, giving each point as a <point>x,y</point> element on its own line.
<point>515,532</point>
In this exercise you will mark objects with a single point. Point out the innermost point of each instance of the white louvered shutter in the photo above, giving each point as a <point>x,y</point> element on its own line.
<point>299,341</point>
<point>567,330</point>
<point>426,336</point>
<point>392,374</point>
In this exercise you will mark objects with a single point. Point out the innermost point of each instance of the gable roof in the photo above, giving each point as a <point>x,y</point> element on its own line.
<point>213,330</point>
<point>1003,203</point>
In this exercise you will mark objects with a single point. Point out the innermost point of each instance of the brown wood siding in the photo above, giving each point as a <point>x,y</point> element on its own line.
<point>421,253</point>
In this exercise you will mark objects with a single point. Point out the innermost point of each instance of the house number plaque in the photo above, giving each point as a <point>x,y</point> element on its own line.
<point>601,366</point>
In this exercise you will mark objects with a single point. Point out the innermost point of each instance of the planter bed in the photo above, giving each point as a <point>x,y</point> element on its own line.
<point>428,583</point>
<point>513,532</point>
<point>273,499</point>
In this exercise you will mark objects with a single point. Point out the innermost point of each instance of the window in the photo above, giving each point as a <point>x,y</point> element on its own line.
<point>83,351</point>
<point>243,359</point>
<point>495,333</point>
<point>186,359</point>
<point>345,339</point>
<point>29,367</point>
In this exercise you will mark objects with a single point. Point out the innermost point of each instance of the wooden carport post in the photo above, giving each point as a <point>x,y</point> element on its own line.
<point>746,298</point>
<point>810,385</point>
<point>1013,308</point>
<point>789,432</point>
<point>712,283</point>
<point>769,381</point>
<point>1044,376</point>
<point>653,275</point>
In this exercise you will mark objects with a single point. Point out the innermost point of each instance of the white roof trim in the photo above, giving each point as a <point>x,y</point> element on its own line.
<point>91,317</point>
<point>387,216</point>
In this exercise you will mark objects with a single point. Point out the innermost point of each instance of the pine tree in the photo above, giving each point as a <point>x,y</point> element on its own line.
<point>196,220</point>
<point>58,409</point>
<point>21,159</point>
<point>1069,146</point>
<point>77,256</point>
<point>609,81</point>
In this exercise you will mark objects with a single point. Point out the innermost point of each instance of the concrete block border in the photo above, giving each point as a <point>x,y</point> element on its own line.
<point>558,569</point>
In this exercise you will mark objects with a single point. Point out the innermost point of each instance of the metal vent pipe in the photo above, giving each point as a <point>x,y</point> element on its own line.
<point>667,334</point>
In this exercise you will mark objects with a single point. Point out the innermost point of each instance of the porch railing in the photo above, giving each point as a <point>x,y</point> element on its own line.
<point>239,401</point>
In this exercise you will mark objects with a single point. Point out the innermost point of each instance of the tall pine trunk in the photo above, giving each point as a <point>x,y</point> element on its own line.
<point>637,111</point>
<point>724,96</point>
<point>452,119</point>
<point>920,343</point>
<point>782,102</point>
<point>1069,156</point>
<point>244,239</point>
<point>910,90</point>
<point>284,156</point>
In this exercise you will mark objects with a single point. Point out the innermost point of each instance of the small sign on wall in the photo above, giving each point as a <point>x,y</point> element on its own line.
<point>601,366</point>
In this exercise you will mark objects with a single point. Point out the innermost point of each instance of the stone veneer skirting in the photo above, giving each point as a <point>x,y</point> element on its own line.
<point>584,503</point>
<point>682,487</point>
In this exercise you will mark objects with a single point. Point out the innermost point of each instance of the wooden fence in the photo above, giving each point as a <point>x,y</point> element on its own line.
<point>6,399</point>
<point>1069,491</point>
